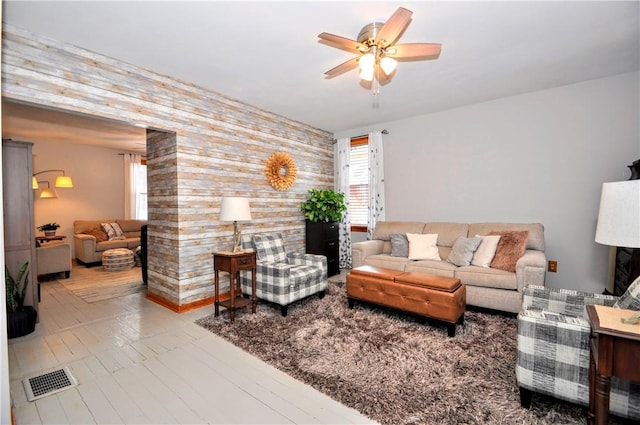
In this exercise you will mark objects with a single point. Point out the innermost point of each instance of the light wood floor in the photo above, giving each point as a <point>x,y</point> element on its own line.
<point>139,363</point>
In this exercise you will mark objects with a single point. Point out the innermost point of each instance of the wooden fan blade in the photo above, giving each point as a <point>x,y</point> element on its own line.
<point>340,42</point>
<point>342,68</point>
<point>415,51</point>
<point>395,26</point>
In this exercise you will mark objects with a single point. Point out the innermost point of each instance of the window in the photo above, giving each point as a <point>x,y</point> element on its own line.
<point>359,184</point>
<point>141,191</point>
<point>135,181</point>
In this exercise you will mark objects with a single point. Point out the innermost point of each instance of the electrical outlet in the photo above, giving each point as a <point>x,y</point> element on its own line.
<point>553,266</point>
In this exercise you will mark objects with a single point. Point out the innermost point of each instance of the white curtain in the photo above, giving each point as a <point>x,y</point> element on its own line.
<point>376,182</point>
<point>135,186</point>
<point>342,155</point>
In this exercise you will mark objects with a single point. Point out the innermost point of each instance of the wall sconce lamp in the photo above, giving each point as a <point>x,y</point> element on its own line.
<point>235,209</point>
<point>47,192</point>
<point>61,181</point>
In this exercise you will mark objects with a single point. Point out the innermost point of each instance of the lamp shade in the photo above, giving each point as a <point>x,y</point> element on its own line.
<point>619,216</point>
<point>47,193</point>
<point>34,183</point>
<point>388,64</point>
<point>64,181</point>
<point>235,208</point>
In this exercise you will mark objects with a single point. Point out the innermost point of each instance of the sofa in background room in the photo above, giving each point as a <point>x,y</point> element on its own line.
<point>90,239</point>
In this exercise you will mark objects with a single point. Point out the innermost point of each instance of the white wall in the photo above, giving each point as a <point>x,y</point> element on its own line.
<point>98,185</point>
<point>537,157</point>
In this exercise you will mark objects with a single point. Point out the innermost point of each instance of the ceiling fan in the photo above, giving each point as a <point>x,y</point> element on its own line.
<point>377,50</point>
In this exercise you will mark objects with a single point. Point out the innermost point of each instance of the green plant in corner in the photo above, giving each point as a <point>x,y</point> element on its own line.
<point>49,227</point>
<point>16,289</point>
<point>324,205</point>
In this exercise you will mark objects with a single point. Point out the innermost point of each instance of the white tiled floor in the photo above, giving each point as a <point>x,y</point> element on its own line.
<point>138,362</point>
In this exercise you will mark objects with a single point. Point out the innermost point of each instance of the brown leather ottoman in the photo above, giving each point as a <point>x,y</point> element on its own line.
<point>437,297</point>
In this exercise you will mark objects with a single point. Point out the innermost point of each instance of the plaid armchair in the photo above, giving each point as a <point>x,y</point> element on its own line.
<point>283,278</point>
<point>553,348</point>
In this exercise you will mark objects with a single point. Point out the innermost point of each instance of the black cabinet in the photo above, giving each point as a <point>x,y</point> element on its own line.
<point>322,239</point>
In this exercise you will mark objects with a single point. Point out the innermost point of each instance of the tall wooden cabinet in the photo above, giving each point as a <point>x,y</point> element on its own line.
<point>19,228</point>
<point>322,239</point>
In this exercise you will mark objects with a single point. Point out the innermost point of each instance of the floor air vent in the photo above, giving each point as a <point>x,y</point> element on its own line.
<point>48,383</point>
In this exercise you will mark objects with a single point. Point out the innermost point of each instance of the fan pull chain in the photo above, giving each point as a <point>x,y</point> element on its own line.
<point>375,88</point>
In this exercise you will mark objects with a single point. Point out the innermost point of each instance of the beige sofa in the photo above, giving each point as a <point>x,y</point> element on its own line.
<point>89,250</point>
<point>486,287</point>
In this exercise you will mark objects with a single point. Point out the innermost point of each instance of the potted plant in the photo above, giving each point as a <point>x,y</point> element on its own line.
<point>49,229</point>
<point>21,319</point>
<point>323,211</point>
<point>324,205</point>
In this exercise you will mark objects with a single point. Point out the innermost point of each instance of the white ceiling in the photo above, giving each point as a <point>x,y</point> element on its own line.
<point>267,53</point>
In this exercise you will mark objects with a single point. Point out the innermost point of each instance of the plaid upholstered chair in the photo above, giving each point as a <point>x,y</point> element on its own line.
<point>553,347</point>
<point>283,278</point>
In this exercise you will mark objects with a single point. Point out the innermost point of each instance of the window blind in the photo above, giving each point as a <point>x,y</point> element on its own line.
<point>359,185</point>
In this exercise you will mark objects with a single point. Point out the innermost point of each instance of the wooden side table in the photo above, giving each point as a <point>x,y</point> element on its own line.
<point>233,263</point>
<point>615,349</point>
<point>40,239</point>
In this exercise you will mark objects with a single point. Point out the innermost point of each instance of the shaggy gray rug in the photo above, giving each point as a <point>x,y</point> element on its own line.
<point>392,367</point>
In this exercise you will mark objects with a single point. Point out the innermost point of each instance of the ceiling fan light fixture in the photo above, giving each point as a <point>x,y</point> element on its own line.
<point>367,74</point>
<point>388,65</point>
<point>378,52</point>
<point>367,61</point>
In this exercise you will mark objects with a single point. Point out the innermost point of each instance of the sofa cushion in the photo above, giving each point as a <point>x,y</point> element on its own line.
<point>462,251</point>
<point>438,268</point>
<point>487,277</point>
<point>131,228</point>
<point>448,233</point>
<point>536,231</point>
<point>423,246</point>
<point>510,248</point>
<point>384,229</point>
<point>114,231</point>
<point>631,298</point>
<point>112,244</point>
<point>399,245</point>
<point>98,233</point>
<point>486,251</point>
<point>270,248</point>
<point>79,226</point>
<point>387,261</point>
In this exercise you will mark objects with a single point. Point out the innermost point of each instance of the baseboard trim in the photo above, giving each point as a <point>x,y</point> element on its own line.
<point>184,307</point>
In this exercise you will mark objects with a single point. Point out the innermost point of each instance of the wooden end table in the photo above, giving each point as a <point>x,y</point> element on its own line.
<point>233,263</point>
<point>41,239</point>
<point>615,349</point>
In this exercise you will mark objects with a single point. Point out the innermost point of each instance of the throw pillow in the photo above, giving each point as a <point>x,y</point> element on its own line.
<point>399,245</point>
<point>114,231</point>
<point>510,248</point>
<point>630,300</point>
<point>270,248</point>
<point>423,246</point>
<point>97,233</point>
<point>462,252</point>
<point>486,251</point>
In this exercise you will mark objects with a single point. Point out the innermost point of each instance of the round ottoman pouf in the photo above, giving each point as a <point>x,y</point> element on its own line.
<point>117,259</point>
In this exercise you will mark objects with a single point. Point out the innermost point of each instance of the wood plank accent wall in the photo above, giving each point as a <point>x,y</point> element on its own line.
<point>200,146</point>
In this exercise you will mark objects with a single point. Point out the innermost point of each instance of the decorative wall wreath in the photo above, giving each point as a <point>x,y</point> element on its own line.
<point>281,171</point>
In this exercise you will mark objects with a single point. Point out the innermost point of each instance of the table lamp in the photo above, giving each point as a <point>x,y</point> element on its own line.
<point>234,208</point>
<point>619,220</point>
